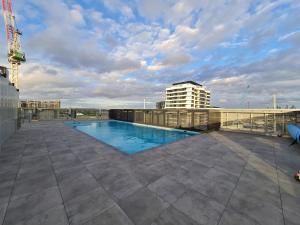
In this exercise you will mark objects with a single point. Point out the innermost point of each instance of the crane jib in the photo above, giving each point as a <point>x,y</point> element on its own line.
<point>15,54</point>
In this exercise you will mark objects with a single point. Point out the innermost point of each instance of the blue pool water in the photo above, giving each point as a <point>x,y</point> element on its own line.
<point>128,137</point>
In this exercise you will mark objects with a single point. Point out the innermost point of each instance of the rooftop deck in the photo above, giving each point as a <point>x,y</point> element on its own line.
<point>54,175</point>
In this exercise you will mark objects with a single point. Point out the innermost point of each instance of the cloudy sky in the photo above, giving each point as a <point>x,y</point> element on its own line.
<point>114,53</point>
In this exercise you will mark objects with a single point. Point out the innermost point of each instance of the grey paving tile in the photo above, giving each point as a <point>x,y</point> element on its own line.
<point>167,188</point>
<point>68,174</point>
<point>172,216</point>
<point>162,167</point>
<point>288,184</point>
<point>7,176</point>
<point>29,206</point>
<point>118,182</point>
<point>177,160</point>
<point>216,185</point>
<point>65,157</point>
<point>88,156</point>
<point>34,172</point>
<point>256,207</point>
<point>205,159</point>
<point>111,216</point>
<point>288,222</point>
<point>123,187</point>
<point>60,151</point>
<point>5,190</point>
<point>143,207</point>
<point>257,192</point>
<point>10,159</point>
<point>70,189</point>
<point>184,176</point>
<point>9,168</point>
<point>100,169</point>
<point>196,168</point>
<point>199,207</point>
<point>231,217</point>
<point>3,207</point>
<point>83,208</point>
<point>33,185</point>
<point>53,216</point>
<point>64,160</point>
<point>35,152</point>
<point>230,166</point>
<point>148,157</point>
<point>35,162</point>
<point>291,208</point>
<point>145,174</point>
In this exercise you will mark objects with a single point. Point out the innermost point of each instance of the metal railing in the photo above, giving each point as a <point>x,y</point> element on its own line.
<point>269,121</point>
<point>27,115</point>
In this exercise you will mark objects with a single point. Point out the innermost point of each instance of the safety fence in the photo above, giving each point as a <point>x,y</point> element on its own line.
<point>268,121</point>
<point>27,115</point>
<point>265,121</point>
<point>186,119</point>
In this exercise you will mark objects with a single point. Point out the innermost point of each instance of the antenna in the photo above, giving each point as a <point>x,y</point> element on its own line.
<point>244,97</point>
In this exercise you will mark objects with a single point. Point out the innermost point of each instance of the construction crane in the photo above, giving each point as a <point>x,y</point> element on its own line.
<point>15,54</point>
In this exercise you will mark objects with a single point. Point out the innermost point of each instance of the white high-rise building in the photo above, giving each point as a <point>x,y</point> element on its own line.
<point>187,95</point>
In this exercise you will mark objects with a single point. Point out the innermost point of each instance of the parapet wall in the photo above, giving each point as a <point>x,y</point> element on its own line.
<point>9,98</point>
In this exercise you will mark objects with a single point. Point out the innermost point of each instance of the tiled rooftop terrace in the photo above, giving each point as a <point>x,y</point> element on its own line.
<point>51,174</point>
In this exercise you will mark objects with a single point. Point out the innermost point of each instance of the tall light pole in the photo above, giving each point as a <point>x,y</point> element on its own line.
<point>274,101</point>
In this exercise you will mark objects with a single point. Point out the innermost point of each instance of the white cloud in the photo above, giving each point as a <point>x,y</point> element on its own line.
<point>116,54</point>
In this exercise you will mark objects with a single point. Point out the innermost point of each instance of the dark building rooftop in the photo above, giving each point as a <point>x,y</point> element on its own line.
<point>187,82</point>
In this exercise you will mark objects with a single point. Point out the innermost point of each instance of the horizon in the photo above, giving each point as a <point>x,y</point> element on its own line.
<point>112,54</point>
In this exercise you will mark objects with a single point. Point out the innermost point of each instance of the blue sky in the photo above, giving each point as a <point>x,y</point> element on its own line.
<point>113,53</point>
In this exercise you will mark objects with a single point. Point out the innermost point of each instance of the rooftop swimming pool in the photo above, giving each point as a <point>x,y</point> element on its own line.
<point>130,137</point>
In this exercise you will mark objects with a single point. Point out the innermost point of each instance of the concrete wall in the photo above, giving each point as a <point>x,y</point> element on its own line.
<point>9,98</point>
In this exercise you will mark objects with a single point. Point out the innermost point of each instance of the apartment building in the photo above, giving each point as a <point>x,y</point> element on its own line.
<point>43,104</point>
<point>187,95</point>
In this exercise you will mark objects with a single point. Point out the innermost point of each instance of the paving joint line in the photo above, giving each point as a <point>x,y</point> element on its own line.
<point>279,188</point>
<point>219,220</point>
<point>13,187</point>
<point>63,202</point>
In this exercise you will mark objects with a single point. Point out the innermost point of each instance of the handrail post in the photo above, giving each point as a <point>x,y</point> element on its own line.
<point>178,116</point>
<point>283,124</point>
<point>251,123</point>
<point>266,123</point>
<point>193,119</point>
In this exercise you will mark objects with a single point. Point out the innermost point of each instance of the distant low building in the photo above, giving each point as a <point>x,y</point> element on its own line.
<point>40,104</point>
<point>160,105</point>
<point>187,95</point>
